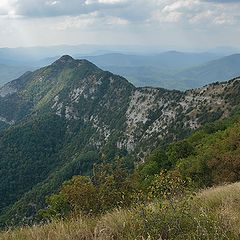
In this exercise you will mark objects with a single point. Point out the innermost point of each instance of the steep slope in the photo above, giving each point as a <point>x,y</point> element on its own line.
<point>50,111</point>
<point>61,119</point>
<point>213,212</point>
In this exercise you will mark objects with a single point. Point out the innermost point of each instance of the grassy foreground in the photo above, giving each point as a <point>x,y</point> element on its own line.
<point>212,214</point>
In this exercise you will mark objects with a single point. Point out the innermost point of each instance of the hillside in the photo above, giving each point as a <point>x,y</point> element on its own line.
<point>78,90</point>
<point>60,120</point>
<point>211,213</point>
<point>222,202</point>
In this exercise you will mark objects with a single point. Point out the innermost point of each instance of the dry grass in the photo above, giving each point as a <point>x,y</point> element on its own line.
<point>75,229</point>
<point>116,225</point>
<point>110,226</point>
<point>223,202</point>
<point>216,195</point>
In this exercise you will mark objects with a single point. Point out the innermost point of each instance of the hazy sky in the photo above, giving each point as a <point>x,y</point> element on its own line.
<point>165,23</point>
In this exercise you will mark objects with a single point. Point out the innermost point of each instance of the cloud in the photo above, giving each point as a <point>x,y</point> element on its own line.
<point>204,14</point>
<point>127,11</point>
<point>222,1</point>
<point>104,1</point>
<point>90,21</point>
<point>52,8</point>
<point>140,20</point>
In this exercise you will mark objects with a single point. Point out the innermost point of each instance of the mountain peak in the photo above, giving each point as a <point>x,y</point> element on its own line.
<point>65,59</point>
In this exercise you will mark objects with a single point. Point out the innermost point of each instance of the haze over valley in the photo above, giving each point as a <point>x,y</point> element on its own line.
<point>170,69</point>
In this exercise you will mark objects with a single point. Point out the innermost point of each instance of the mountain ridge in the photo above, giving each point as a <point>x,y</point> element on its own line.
<point>40,90</point>
<point>71,108</point>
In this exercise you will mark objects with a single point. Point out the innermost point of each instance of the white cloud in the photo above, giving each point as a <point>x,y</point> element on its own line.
<point>89,21</point>
<point>196,12</point>
<point>180,5</point>
<point>146,20</point>
<point>104,1</point>
<point>52,3</point>
<point>77,22</point>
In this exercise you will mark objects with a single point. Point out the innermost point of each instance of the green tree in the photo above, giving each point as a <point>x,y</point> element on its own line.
<point>58,206</point>
<point>81,194</point>
<point>179,150</point>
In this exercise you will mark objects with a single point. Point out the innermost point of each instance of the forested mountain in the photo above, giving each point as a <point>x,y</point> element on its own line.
<point>60,120</point>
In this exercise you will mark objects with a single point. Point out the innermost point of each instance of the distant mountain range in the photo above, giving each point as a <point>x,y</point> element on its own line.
<point>170,70</point>
<point>165,60</point>
<point>216,70</point>
<point>10,72</point>
<point>59,120</point>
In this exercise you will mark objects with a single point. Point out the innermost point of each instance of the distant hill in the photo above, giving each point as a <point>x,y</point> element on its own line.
<point>152,70</point>
<point>171,70</point>
<point>217,70</point>
<point>9,72</point>
<point>165,60</point>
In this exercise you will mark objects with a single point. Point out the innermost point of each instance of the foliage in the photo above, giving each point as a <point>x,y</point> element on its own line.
<point>108,188</point>
<point>208,156</point>
<point>211,214</point>
<point>80,194</point>
<point>169,186</point>
<point>58,207</point>
<point>217,158</point>
<point>28,155</point>
<point>47,187</point>
<point>179,150</point>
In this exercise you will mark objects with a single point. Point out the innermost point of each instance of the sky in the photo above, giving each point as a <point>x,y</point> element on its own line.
<point>178,24</point>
